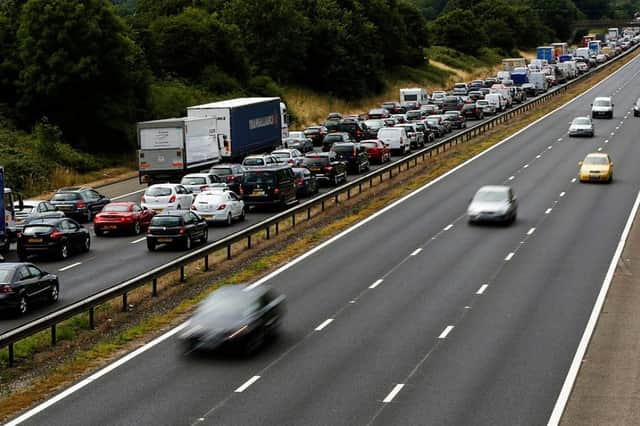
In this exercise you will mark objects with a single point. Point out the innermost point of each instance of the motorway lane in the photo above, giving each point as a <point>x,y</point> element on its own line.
<point>504,361</point>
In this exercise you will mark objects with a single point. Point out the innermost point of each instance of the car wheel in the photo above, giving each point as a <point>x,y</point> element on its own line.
<point>151,245</point>
<point>136,228</point>
<point>22,306</point>
<point>229,220</point>
<point>188,243</point>
<point>54,294</point>
<point>64,251</point>
<point>205,235</point>
<point>243,215</point>
<point>335,180</point>
<point>86,246</point>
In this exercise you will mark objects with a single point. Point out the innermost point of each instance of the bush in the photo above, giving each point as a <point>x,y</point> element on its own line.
<point>172,97</point>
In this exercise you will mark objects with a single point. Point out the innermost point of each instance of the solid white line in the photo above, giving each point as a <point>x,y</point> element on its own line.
<point>129,194</point>
<point>449,226</point>
<point>509,256</point>
<point>324,324</point>
<point>446,332</point>
<point>138,240</point>
<point>482,288</point>
<point>569,381</point>
<point>416,251</point>
<point>396,389</point>
<point>531,231</point>
<point>73,265</point>
<point>548,211</point>
<point>247,384</point>
<point>562,194</point>
<point>376,284</point>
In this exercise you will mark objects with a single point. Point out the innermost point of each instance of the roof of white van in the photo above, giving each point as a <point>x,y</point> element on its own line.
<point>233,103</point>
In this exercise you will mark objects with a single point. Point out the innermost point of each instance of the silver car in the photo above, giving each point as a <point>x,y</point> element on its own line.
<point>581,126</point>
<point>34,209</point>
<point>493,203</point>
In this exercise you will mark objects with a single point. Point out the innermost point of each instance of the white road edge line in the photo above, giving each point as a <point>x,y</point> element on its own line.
<point>446,332</point>
<point>128,195</point>
<point>324,324</point>
<point>531,231</point>
<point>396,389</point>
<point>482,288</point>
<point>46,404</point>
<point>509,256</point>
<point>570,380</point>
<point>138,240</point>
<point>377,283</point>
<point>246,384</point>
<point>416,252</point>
<point>73,265</point>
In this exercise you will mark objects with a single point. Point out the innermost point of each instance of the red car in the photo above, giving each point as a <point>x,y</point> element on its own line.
<point>377,150</point>
<point>122,216</point>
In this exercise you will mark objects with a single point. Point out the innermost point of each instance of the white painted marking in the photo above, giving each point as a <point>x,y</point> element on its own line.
<point>246,384</point>
<point>416,251</point>
<point>560,139</point>
<point>617,127</point>
<point>531,231</point>
<point>562,194</point>
<point>622,122</point>
<point>324,324</point>
<point>512,177</point>
<point>613,133</point>
<point>573,180</point>
<point>482,288</point>
<point>550,147</point>
<point>525,166</point>
<point>509,256</point>
<point>569,381</point>
<point>445,332</point>
<point>538,156</point>
<point>396,389</point>
<point>449,226</point>
<point>548,211</point>
<point>128,195</point>
<point>73,265</point>
<point>376,284</point>
<point>606,141</point>
<point>599,148</point>
<point>138,240</point>
<point>352,301</point>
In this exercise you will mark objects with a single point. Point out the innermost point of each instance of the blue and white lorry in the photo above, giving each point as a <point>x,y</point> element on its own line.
<point>8,219</point>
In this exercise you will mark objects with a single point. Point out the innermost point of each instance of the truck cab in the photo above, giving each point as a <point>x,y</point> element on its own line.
<point>8,220</point>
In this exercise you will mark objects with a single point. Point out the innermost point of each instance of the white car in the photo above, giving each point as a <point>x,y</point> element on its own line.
<point>259,160</point>
<point>486,107</point>
<point>288,155</point>
<point>219,206</point>
<point>196,182</point>
<point>581,126</point>
<point>172,196</point>
<point>602,107</point>
<point>297,135</point>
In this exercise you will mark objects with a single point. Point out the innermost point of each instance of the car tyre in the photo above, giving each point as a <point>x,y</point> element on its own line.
<point>188,243</point>
<point>98,232</point>
<point>64,251</point>
<point>205,235</point>
<point>54,294</point>
<point>243,215</point>
<point>151,245</point>
<point>22,306</point>
<point>86,245</point>
<point>229,220</point>
<point>137,228</point>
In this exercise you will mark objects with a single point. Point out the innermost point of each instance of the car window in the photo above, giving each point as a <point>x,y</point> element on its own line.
<point>71,226</point>
<point>136,208</point>
<point>23,273</point>
<point>33,271</point>
<point>188,218</point>
<point>42,207</point>
<point>158,191</point>
<point>94,195</point>
<point>65,196</point>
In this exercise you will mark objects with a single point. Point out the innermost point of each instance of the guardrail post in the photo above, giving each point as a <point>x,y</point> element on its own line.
<point>124,302</point>
<point>154,287</point>
<point>182,274</point>
<point>337,200</point>
<point>249,241</point>
<point>278,225</point>
<point>229,251</point>
<point>349,194</point>
<point>91,318</point>
<point>54,337</point>
<point>11,355</point>
<point>308,213</point>
<point>322,205</point>
<point>268,230</point>
<point>206,263</point>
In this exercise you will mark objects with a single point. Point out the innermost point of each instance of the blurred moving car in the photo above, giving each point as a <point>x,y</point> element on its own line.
<point>34,209</point>
<point>163,196</point>
<point>260,160</point>
<point>57,237</point>
<point>81,203</point>
<point>237,316</point>
<point>377,150</point>
<point>196,182</point>
<point>581,126</point>
<point>176,227</point>
<point>219,205</point>
<point>122,216</point>
<point>20,283</point>
<point>306,182</point>
<point>596,167</point>
<point>493,203</point>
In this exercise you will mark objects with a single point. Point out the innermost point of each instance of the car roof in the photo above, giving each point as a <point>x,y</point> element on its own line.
<point>46,221</point>
<point>196,175</point>
<point>597,154</point>
<point>225,165</point>
<point>494,188</point>
<point>73,189</point>
<point>172,213</point>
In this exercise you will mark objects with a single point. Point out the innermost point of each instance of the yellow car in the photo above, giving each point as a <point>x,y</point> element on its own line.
<point>596,167</point>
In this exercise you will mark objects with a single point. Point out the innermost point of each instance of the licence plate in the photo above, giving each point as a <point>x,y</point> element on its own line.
<point>110,227</point>
<point>257,192</point>
<point>314,169</point>
<point>35,240</point>
<point>64,207</point>
<point>165,240</point>
<point>207,216</point>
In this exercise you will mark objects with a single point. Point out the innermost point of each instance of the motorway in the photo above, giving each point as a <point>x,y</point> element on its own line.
<point>415,317</point>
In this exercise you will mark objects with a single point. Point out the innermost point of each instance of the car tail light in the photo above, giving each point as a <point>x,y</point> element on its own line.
<point>172,199</point>
<point>231,177</point>
<point>222,206</point>
<point>182,230</point>
<point>276,190</point>
<point>6,289</point>
<point>193,207</point>
<point>241,190</point>
<point>299,181</point>
<point>328,168</point>
<point>203,187</point>
<point>81,204</point>
<point>143,200</point>
<point>55,235</point>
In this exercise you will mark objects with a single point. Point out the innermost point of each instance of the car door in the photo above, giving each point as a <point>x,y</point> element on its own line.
<point>37,278</point>
<point>185,197</point>
<point>25,281</point>
<point>72,231</point>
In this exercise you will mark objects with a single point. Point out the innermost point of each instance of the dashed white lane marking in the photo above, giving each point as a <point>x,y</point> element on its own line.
<point>246,384</point>
<point>416,252</point>
<point>324,324</point>
<point>445,332</point>
<point>376,284</point>
<point>622,122</point>
<point>560,139</point>
<point>599,148</point>
<point>573,180</point>
<point>512,177</point>
<point>449,226</point>
<point>482,288</point>
<point>73,265</point>
<point>119,197</point>
<point>550,147</point>
<point>613,133</point>
<point>396,389</point>
<point>531,231</point>
<point>606,141</point>
<point>525,166</point>
<point>617,127</point>
<point>509,256</point>
<point>548,211</point>
<point>138,240</point>
<point>562,194</point>
<point>538,156</point>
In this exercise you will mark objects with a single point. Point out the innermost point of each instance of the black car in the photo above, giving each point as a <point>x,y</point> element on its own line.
<point>302,145</point>
<point>435,126</point>
<point>230,173</point>
<point>269,186</point>
<point>373,125</point>
<point>429,135</point>
<point>354,155</point>
<point>472,111</point>
<point>332,138</point>
<point>20,283</point>
<point>79,202</point>
<point>356,128</point>
<point>235,316</point>
<point>394,107</point>
<point>326,167</point>
<point>332,124</point>
<point>316,134</point>
<point>456,119</point>
<point>306,182</point>
<point>452,103</point>
<point>57,237</point>
<point>177,227</point>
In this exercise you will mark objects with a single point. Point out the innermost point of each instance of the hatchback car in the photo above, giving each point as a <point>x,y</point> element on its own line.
<point>122,216</point>
<point>54,237</point>
<point>316,134</point>
<point>332,138</point>
<point>289,156</point>
<point>456,119</point>
<point>20,283</point>
<point>231,174</point>
<point>306,182</point>
<point>377,150</point>
<point>163,196</point>
<point>259,160</point>
<point>303,144</point>
<point>196,182</point>
<point>236,317</point>
<point>269,186</point>
<point>34,209</point>
<point>219,205</point>
<point>326,167</point>
<point>356,128</point>
<point>596,167</point>
<point>373,126</point>
<point>81,203</point>
<point>472,111</point>
<point>354,155</point>
<point>581,126</point>
<point>493,203</point>
<point>177,227</point>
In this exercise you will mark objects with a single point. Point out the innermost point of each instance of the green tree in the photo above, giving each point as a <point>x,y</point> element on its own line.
<point>81,70</point>
<point>594,9</point>
<point>417,33</point>
<point>459,29</point>
<point>559,15</point>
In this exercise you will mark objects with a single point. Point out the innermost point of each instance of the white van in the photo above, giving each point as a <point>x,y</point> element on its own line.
<point>396,138</point>
<point>602,107</point>
<point>497,100</point>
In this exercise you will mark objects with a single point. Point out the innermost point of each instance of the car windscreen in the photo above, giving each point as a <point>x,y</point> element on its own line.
<point>158,191</point>
<point>490,195</point>
<point>259,178</point>
<point>596,160</point>
<point>601,103</point>
<point>193,180</point>
<point>316,161</point>
<point>165,221</point>
<point>26,208</point>
<point>369,145</point>
<point>343,148</point>
<point>65,196</point>
<point>582,121</point>
<point>333,138</point>
<point>253,162</point>
<point>374,124</point>
<point>115,208</point>
<point>220,171</point>
<point>312,131</point>
<point>37,229</point>
<point>281,154</point>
